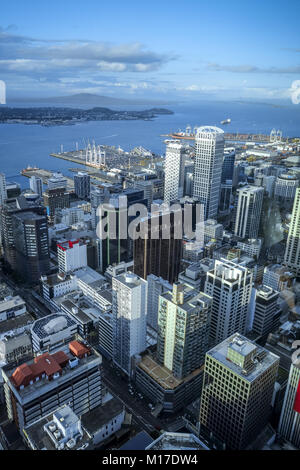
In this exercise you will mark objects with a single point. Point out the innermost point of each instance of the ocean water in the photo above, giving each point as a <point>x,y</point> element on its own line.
<point>22,145</point>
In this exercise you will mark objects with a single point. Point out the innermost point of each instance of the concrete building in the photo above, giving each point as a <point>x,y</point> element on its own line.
<point>71,255</point>
<point>278,277</point>
<point>183,329</point>
<point>230,285</point>
<point>129,308</point>
<point>285,187</point>
<point>57,180</point>
<point>267,311</point>
<point>292,250</point>
<point>212,230</point>
<point>251,246</point>
<point>59,430</point>
<point>209,147</point>
<point>69,375</point>
<point>156,286</point>
<point>238,385</point>
<point>248,211</point>
<point>36,185</point>
<point>52,331</point>
<point>12,307</point>
<point>82,184</point>
<point>289,424</point>
<point>174,170</point>
<point>15,346</point>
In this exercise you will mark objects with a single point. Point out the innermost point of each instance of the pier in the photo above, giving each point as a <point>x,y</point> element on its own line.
<point>45,175</point>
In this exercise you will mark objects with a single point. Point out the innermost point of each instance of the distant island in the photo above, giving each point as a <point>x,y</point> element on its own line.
<point>54,116</point>
<point>89,100</point>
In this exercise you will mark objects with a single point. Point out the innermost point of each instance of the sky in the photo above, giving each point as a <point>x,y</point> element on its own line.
<point>164,49</point>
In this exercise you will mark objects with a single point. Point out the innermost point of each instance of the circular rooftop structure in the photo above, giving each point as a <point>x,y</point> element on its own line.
<point>209,130</point>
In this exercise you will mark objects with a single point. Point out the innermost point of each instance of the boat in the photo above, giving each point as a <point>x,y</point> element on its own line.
<point>226,121</point>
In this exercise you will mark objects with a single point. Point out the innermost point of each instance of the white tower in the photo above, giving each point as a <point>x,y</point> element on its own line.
<point>209,147</point>
<point>174,170</point>
<point>129,308</point>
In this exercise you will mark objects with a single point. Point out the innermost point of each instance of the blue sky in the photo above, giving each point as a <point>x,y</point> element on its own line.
<point>191,50</point>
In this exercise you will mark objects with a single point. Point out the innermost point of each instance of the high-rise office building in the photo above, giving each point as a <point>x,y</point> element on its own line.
<point>230,285</point>
<point>174,170</point>
<point>3,194</point>
<point>10,208</point>
<point>71,255</point>
<point>248,211</point>
<point>292,250</point>
<point>36,185</point>
<point>160,252</point>
<point>57,198</point>
<point>82,183</point>
<point>31,245</point>
<point>156,286</point>
<point>183,329</point>
<point>267,311</point>
<point>117,246</point>
<point>289,424</point>
<point>209,147</point>
<point>129,309</point>
<point>238,384</point>
<point>71,375</point>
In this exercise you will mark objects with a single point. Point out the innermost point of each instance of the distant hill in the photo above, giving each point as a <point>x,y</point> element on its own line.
<point>89,99</point>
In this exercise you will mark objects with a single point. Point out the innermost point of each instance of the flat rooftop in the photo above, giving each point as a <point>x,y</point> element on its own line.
<point>177,441</point>
<point>19,322</point>
<point>41,440</point>
<point>93,420</point>
<point>162,375</point>
<point>263,358</point>
<point>192,298</point>
<point>11,303</point>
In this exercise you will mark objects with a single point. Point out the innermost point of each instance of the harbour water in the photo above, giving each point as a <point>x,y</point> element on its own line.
<point>22,145</point>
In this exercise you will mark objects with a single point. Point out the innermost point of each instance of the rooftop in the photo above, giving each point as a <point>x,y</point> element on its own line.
<point>259,359</point>
<point>162,375</point>
<point>177,441</point>
<point>51,324</point>
<point>93,420</point>
<point>11,303</point>
<point>60,361</point>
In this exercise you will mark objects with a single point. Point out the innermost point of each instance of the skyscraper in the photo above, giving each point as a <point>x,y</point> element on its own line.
<point>3,193</point>
<point>56,198</point>
<point>159,254</point>
<point>155,287</point>
<point>209,146</point>
<point>36,185</point>
<point>267,311</point>
<point>82,183</point>
<point>174,170</point>
<point>292,250</point>
<point>129,309</point>
<point>230,285</point>
<point>238,385</point>
<point>248,211</point>
<point>289,424</point>
<point>31,245</point>
<point>9,209</point>
<point>183,329</point>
